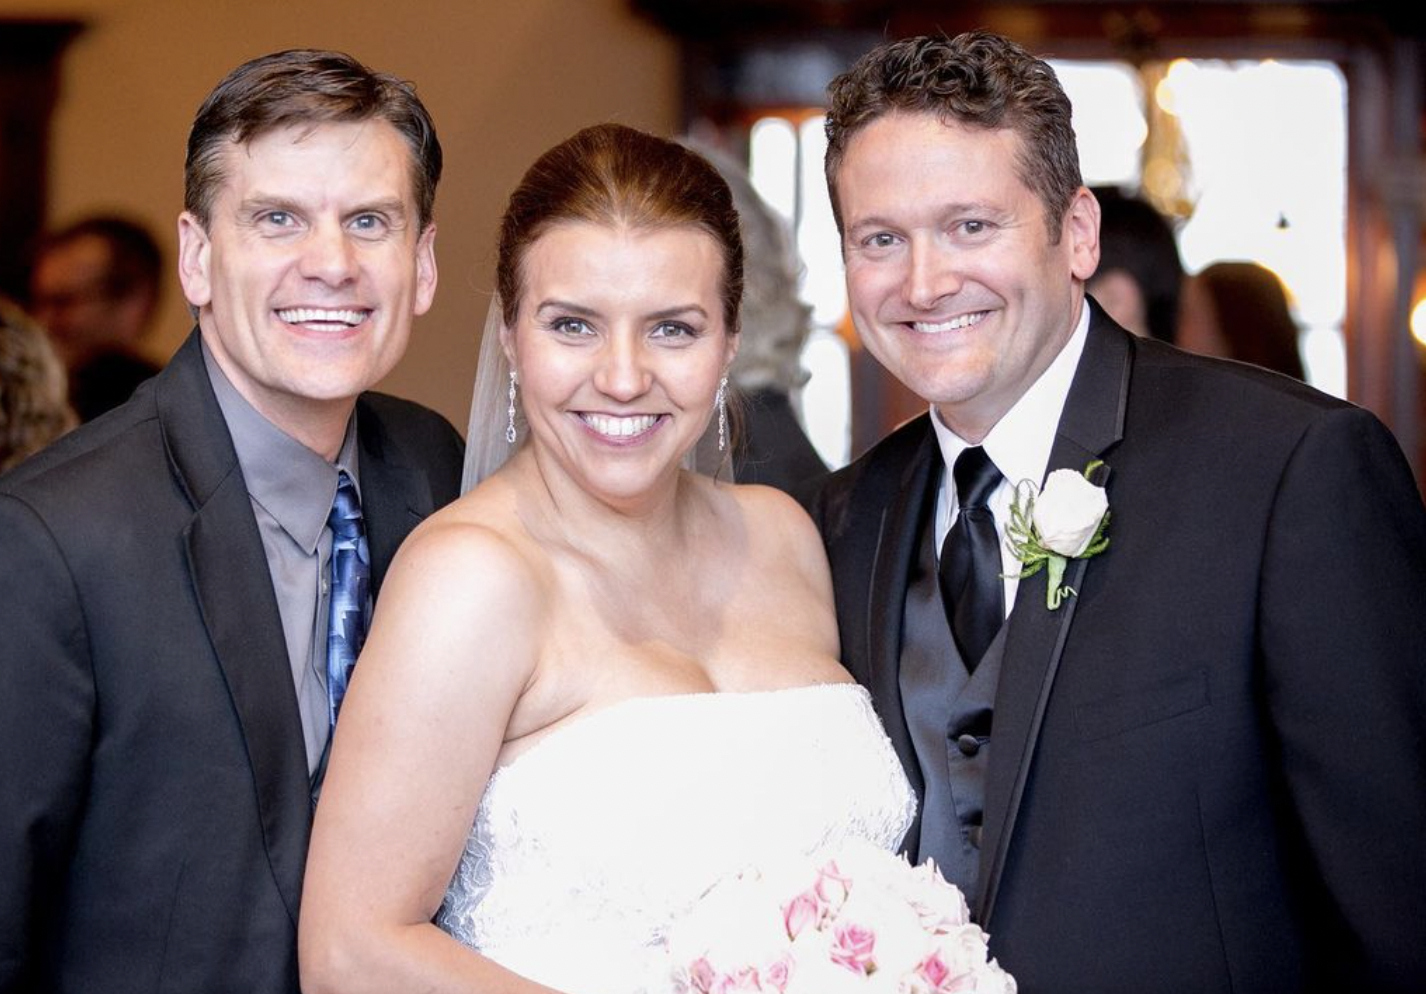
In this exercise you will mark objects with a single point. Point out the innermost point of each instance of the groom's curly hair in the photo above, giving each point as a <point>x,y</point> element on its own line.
<point>618,176</point>
<point>976,79</point>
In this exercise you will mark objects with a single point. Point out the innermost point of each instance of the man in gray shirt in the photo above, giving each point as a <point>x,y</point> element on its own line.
<point>185,583</point>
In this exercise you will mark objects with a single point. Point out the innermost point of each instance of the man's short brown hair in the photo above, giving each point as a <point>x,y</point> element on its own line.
<point>306,87</point>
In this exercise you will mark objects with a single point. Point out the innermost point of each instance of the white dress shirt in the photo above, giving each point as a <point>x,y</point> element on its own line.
<point>1019,445</point>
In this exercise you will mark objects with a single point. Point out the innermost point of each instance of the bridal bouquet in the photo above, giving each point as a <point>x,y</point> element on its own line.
<point>861,920</point>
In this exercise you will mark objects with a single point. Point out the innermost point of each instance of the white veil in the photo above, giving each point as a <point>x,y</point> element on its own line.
<point>486,448</point>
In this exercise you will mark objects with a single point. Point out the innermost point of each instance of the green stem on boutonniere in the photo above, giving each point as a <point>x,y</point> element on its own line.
<point>1055,589</point>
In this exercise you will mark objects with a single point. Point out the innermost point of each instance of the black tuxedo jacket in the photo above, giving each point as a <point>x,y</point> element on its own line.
<point>154,796</point>
<point>1206,769</point>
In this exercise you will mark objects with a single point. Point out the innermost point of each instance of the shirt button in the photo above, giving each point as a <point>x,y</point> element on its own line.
<point>974,834</point>
<point>969,745</point>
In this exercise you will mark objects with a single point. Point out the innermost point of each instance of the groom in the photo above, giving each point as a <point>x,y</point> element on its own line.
<point>172,575</point>
<point>1202,769</point>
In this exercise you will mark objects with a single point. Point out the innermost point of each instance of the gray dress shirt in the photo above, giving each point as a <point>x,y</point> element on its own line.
<point>292,489</point>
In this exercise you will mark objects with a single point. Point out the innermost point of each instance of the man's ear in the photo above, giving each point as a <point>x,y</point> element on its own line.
<point>1081,232</point>
<point>195,260</point>
<point>426,276</point>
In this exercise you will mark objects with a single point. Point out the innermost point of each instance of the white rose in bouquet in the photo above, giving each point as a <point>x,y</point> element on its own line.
<point>940,904</point>
<point>725,934</point>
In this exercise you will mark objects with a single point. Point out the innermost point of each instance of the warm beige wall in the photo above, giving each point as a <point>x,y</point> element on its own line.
<point>504,79</point>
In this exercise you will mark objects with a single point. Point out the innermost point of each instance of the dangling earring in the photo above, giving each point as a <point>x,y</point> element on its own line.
<point>721,399</point>
<point>510,413</point>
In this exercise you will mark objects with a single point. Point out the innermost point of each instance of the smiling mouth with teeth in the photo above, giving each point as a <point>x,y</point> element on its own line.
<point>955,324</point>
<point>319,315</point>
<point>620,427</point>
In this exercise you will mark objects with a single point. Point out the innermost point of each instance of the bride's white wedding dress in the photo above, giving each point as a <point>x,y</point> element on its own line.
<point>587,845</point>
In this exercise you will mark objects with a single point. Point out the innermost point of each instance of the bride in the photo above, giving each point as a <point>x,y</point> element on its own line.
<point>597,682</point>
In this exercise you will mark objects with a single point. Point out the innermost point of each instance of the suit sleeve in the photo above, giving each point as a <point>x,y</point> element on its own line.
<point>1343,643</point>
<point>46,710</point>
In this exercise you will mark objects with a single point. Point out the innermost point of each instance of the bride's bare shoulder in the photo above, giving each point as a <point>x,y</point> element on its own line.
<point>776,522</point>
<point>476,546</point>
<point>768,507</point>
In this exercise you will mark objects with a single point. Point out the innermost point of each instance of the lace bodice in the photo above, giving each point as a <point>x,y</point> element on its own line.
<point>588,844</point>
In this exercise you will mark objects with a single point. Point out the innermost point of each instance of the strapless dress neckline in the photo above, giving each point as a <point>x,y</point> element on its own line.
<point>588,722</point>
<point>586,845</point>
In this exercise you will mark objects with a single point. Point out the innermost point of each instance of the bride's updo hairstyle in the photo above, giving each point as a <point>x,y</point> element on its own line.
<point>618,177</point>
<point>609,175</point>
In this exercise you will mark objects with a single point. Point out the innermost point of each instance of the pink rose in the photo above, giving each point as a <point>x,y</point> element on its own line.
<point>943,979</point>
<point>802,912</point>
<point>959,964</point>
<point>779,972</point>
<point>701,974</point>
<point>934,970</point>
<point>853,947</point>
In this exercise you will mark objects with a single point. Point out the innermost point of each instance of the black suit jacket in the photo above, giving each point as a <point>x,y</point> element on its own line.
<point>1206,769</point>
<point>154,796</point>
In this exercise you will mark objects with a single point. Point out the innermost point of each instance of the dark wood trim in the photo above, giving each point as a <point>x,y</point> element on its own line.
<point>29,86</point>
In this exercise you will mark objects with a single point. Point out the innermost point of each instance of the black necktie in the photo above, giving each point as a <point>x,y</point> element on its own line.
<point>971,588</point>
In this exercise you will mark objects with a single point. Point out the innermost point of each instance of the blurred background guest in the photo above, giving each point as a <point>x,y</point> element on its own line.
<point>1239,310</point>
<point>769,443</point>
<point>33,408</point>
<point>1140,276</point>
<point>95,287</point>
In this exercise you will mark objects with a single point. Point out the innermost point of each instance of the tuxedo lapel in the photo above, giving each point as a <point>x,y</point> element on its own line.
<point>1092,422</point>
<point>234,591</point>
<point>897,534</point>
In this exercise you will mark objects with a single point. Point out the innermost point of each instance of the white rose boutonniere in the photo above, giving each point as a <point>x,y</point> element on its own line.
<point>1066,520</point>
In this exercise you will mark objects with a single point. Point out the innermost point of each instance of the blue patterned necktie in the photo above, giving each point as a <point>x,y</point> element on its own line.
<point>350,599</point>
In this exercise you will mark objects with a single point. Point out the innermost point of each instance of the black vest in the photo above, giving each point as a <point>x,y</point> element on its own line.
<point>948,713</point>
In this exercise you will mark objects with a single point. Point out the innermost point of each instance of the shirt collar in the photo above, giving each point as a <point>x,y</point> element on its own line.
<point>291,482</point>
<point>1021,441</point>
